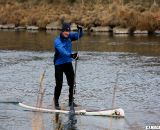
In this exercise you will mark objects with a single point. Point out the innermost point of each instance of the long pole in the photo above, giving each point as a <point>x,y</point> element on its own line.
<point>72,110</point>
<point>75,68</point>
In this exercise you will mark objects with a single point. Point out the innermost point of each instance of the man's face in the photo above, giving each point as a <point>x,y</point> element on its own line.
<point>66,34</point>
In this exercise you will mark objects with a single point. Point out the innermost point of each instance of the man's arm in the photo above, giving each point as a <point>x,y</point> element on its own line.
<point>76,35</point>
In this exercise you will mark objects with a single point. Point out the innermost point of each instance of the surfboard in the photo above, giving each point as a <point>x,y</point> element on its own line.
<point>119,112</point>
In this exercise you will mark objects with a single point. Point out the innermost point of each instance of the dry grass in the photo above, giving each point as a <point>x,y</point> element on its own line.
<point>99,14</point>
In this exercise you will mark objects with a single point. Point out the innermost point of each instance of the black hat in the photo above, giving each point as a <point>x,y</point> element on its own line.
<point>66,27</point>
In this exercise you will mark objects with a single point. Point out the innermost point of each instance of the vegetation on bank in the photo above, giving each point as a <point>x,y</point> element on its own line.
<point>126,14</point>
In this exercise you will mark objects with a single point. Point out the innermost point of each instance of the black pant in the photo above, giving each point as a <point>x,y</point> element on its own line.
<point>67,68</point>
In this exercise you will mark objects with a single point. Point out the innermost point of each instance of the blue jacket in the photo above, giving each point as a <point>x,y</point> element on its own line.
<point>63,48</point>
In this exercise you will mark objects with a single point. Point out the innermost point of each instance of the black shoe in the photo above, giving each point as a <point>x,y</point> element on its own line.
<point>56,104</point>
<point>57,107</point>
<point>74,105</point>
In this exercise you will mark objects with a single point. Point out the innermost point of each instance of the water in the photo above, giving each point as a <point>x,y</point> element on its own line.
<point>25,55</point>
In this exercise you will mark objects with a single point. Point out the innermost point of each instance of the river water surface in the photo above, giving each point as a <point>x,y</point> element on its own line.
<point>133,60</point>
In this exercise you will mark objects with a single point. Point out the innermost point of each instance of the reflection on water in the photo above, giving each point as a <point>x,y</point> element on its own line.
<point>42,41</point>
<point>37,121</point>
<point>69,124</point>
<point>58,122</point>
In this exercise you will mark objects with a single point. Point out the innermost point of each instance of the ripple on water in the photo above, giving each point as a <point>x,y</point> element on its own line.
<point>137,88</point>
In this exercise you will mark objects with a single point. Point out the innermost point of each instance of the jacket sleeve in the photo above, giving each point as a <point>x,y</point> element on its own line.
<point>59,46</point>
<point>74,35</point>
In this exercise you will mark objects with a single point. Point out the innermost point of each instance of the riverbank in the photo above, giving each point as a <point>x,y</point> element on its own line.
<point>107,30</point>
<point>114,17</point>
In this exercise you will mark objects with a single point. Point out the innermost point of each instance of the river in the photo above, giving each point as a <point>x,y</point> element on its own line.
<point>133,60</point>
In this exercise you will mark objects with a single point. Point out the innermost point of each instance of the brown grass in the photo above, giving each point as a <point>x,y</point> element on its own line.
<point>99,14</point>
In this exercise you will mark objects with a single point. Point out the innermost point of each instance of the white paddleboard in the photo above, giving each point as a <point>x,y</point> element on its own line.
<point>119,112</point>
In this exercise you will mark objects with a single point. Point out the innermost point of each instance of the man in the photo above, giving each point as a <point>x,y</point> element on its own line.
<point>63,61</point>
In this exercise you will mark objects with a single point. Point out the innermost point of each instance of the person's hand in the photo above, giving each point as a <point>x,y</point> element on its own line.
<point>79,28</point>
<point>75,56</point>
